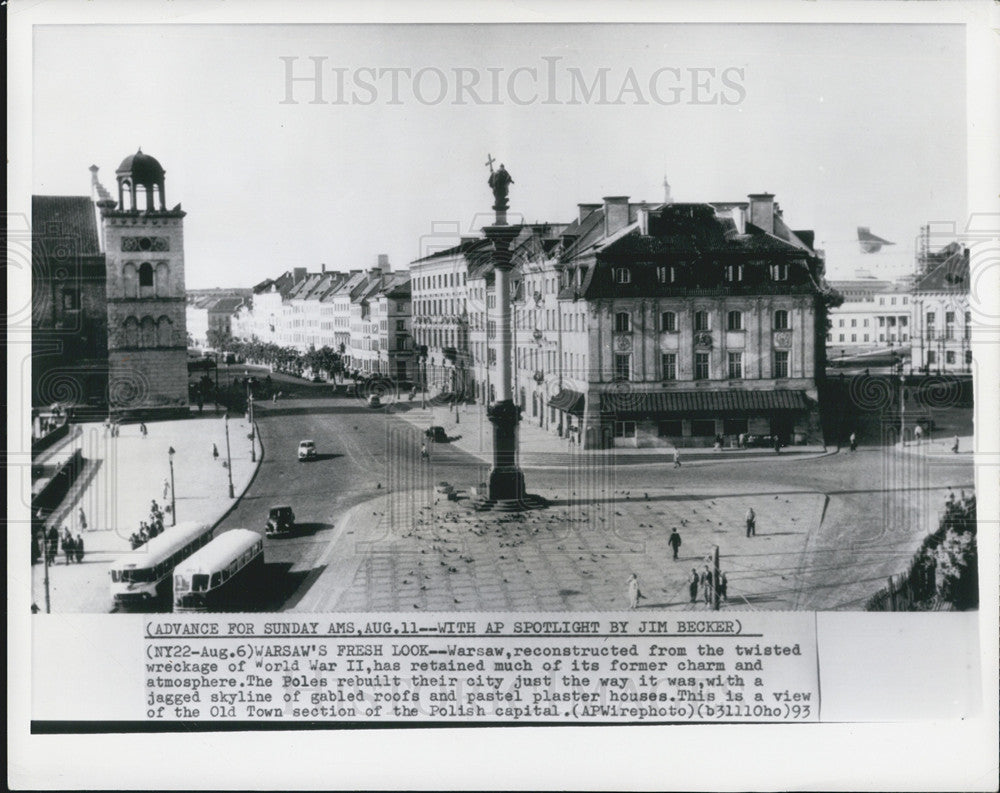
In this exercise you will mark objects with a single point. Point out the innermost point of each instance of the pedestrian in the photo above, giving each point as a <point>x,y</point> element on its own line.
<point>633,591</point>
<point>724,587</point>
<point>215,452</point>
<point>742,440</point>
<point>718,443</point>
<point>67,545</point>
<point>78,547</point>
<point>166,489</point>
<point>693,585</point>
<point>854,442</point>
<point>81,519</point>
<point>34,608</point>
<point>706,584</point>
<point>918,434</point>
<point>142,429</point>
<point>134,540</point>
<point>751,523</point>
<point>777,445</point>
<point>52,545</point>
<point>675,542</point>
<point>954,446</point>
<point>677,457</point>
<point>951,496</point>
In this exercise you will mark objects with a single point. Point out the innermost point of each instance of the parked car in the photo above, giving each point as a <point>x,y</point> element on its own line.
<point>437,434</point>
<point>280,520</point>
<point>307,450</point>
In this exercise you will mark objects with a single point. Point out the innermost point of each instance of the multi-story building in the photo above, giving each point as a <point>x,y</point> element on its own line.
<point>942,336</point>
<point>874,314</point>
<point>339,301</point>
<point>390,307</point>
<point>685,322</point>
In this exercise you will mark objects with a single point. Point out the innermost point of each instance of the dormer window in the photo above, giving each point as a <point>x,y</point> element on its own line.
<point>779,272</point>
<point>734,273</point>
<point>665,274</point>
<point>623,275</point>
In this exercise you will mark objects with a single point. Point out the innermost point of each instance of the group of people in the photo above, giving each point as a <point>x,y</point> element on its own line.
<point>71,546</point>
<point>709,585</point>
<point>148,529</point>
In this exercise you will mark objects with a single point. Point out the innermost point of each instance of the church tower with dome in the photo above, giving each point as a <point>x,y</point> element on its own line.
<point>144,257</point>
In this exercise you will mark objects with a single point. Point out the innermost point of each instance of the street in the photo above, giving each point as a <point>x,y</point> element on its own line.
<point>375,536</point>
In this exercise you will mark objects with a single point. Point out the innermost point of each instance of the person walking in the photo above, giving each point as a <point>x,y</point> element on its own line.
<point>166,489</point>
<point>633,591</point>
<point>81,519</point>
<point>751,523</point>
<point>918,434</point>
<point>67,545</point>
<point>677,457</point>
<point>707,585</point>
<point>723,588</point>
<point>777,445</point>
<point>215,452</point>
<point>78,548</point>
<point>742,441</point>
<point>693,585</point>
<point>142,429</point>
<point>954,446</point>
<point>52,544</point>
<point>854,442</point>
<point>675,542</point>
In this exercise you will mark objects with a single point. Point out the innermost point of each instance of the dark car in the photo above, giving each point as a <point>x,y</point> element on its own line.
<point>437,434</point>
<point>280,521</point>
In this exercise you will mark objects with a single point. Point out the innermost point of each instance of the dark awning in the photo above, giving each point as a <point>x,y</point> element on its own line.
<point>569,401</point>
<point>691,402</point>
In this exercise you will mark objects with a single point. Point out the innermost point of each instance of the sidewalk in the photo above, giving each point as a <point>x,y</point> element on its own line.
<point>941,448</point>
<point>473,433</point>
<point>122,476</point>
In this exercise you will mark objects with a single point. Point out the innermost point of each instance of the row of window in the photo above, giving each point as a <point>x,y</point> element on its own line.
<point>702,321</point>
<point>439,281</point>
<point>949,357</point>
<point>882,322</point>
<point>148,332</point>
<point>667,274</point>
<point>702,365</point>
<point>674,428</point>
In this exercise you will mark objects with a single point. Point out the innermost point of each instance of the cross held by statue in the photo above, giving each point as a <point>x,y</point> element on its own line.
<point>490,161</point>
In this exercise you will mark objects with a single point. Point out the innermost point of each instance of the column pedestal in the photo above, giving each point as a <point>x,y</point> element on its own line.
<point>506,479</point>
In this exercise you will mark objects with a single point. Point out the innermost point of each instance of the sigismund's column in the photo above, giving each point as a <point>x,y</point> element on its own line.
<point>506,479</point>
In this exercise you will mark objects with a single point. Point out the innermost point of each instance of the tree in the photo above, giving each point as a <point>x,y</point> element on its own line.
<point>219,339</point>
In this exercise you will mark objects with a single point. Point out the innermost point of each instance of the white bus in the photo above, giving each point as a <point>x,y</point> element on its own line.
<point>137,576</point>
<point>212,576</point>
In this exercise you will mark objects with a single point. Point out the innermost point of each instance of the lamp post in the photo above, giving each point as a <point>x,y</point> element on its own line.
<point>229,459</point>
<point>173,495</point>
<point>902,406</point>
<point>253,446</point>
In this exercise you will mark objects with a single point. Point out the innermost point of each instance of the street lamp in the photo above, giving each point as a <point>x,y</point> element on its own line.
<point>229,459</point>
<point>173,497</point>
<point>902,406</point>
<point>253,446</point>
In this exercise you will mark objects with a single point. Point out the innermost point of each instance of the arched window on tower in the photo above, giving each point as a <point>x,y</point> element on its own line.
<point>164,332</point>
<point>145,280</point>
<point>162,277</point>
<point>131,326</point>
<point>130,280</point>
<point>147,332</point>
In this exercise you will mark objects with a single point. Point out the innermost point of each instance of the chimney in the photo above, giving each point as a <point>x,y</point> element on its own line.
<point>762,211</point>
<point>298,274</point>
<point>587,209</point>
<point>383,263</point>
<point>322,268</point>
<point>615,214</point>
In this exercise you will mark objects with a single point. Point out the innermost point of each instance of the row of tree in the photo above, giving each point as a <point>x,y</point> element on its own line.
<point>323,361</point>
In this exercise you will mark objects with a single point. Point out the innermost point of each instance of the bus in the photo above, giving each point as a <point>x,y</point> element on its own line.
<point>212,576</point>
<point>139,576</point>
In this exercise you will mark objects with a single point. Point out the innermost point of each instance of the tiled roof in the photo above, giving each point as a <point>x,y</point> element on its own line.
<point>66,217</point>
<point>226,305</point>
<point>690,402</point>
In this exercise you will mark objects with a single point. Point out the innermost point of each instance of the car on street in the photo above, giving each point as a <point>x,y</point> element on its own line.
<point>280,521</point>
<point>307,450</point>
<point>437,434</point>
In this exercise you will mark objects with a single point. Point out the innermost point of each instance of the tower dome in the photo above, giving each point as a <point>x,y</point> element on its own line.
<point>140,170</point>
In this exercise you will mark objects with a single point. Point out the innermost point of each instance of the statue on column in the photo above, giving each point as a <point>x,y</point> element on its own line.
<point>499,182</point>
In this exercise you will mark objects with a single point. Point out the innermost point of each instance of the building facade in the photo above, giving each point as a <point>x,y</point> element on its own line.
<point>874,314</point>
<point>942,338</point>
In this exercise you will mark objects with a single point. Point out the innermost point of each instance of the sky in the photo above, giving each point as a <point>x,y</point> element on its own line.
<point>847,125</point>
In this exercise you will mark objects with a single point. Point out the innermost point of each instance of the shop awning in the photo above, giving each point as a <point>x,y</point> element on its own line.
<point>703,402</point>
<point>568,401</point>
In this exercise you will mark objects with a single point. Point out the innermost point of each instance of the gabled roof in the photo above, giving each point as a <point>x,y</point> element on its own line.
<point>225,305</point>
<point>464,247</point>
<point>69,218</point>
<point>952,275</point>
<point>396,285</point>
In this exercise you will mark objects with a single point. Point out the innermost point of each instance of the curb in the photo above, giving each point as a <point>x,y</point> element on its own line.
<point>250,481</point>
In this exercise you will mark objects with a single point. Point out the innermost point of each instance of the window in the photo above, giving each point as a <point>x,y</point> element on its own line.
<point>781,320</point>
<point>734,320</point>
<point>624,429</point>
<point>734,272</point>
<point>905,300</point>
<point>854,323</point>
<point>949,357</point>
<point>701,366</point>
<point>623,322</point>
<point>146,274</point>
<point>735,426</point>
<point>931,356</point>
<point>968,357</point>
<point>781,363</point>
<point>949,325</point>
<point>903,321</point>
<point>968,326</point>
<point>701,320</point>
<point>400,324</point>
<point>735,365</point>
<point>865,323</point>
<point>829,337</point>
<point>668,361</point>
<point>892,301</point>
<point>854,337</point>
<point>866,337</point>
<point>840,323</point>
<point>930,317</point>
<point>779,272</point>
<point>668,321</point>
<point>841,338</point>
<point>881,301</point>
<point>665,274</point>
<point>623,367</point>
<point>703,427</point>
<point>668,429</point>
<point>623,275</point>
